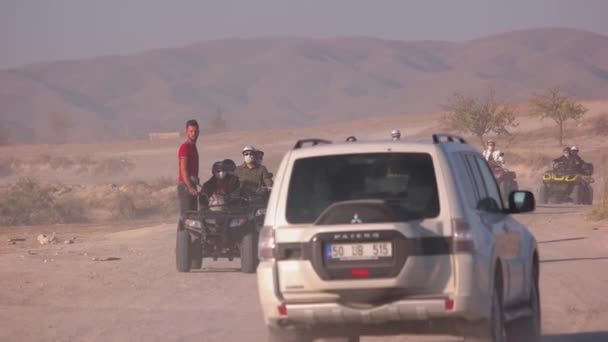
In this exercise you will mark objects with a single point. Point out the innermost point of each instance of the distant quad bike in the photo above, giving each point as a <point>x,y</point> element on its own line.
<point>505,179</point>
<point>227,231</point>
<point>561,185</point>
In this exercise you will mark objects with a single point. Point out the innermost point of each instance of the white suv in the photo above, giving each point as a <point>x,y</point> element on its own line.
<point>395,237</point>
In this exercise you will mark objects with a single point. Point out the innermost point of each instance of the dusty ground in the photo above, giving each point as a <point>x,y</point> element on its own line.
<point>59,293</point>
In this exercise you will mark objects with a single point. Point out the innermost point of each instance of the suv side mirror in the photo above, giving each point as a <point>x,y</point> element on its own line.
<point>521,202</point>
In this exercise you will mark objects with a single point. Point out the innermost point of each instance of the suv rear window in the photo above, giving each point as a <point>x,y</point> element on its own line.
<point>406,181</point>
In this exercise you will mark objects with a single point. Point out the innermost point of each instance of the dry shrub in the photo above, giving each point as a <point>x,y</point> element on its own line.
<point>157,197</point>
<point>163,182</point>
<point>600,209</point>
<point>29,203</point>
<point>534,160</point>
<point>121,206</point>
<point>599,124</point>
<point>112,166</point>
<point>61,162</point>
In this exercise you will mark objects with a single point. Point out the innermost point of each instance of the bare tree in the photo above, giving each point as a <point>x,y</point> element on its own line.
<point>557,106</point>
<point>60,124</point>
<point>479,116</point>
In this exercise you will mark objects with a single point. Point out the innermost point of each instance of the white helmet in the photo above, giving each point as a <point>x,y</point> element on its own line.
<point>248,148</point>
<point>395,134</point>
<point>574,148</point>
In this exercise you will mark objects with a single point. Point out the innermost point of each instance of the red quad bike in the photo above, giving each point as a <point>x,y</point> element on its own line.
<point>505,179</point>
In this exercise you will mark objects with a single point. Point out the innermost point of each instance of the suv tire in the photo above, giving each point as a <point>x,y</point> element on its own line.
<point>494,329</point>
<point>528,328</point>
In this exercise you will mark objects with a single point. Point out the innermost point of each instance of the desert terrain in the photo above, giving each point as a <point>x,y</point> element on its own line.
<point>288,82</point>
<point>115,278</point>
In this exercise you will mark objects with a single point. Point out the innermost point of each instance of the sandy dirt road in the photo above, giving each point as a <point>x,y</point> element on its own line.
<point>139,295</point>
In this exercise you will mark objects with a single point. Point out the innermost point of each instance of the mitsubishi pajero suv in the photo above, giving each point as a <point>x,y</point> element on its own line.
<point>395,237</point>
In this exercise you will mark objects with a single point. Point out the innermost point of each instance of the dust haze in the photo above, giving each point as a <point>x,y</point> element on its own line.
<point>88,164</point>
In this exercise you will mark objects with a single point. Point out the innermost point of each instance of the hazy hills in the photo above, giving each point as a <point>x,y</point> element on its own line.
<point>291,81</point>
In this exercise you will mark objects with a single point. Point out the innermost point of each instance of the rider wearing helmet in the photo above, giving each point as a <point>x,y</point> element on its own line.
<point>576,161</point>
<point>259,156</point>
<point>395,135</point>
<point>222,182</point>
<point>564,161</point>
<point>229,165</point>
<point>251,173</point>
<point>491,154</point>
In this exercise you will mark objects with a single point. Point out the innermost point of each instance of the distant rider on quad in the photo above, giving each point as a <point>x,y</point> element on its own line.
<point>395,135</point>
<point>221,184</point>
<point>566,162</point>
<point>491,154</point>
<point>577,162</point>
<point>252,175</point>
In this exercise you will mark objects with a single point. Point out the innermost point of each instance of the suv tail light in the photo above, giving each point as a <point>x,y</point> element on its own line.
<point>463,237</point>
<point>266,244</point>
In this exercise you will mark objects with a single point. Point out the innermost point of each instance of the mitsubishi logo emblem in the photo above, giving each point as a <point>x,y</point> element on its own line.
<point>356,219</point>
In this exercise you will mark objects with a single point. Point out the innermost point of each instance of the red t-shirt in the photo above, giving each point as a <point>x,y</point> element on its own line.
<point>190,152</point>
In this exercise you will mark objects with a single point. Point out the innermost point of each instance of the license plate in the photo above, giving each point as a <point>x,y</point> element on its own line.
<point>359,251</point>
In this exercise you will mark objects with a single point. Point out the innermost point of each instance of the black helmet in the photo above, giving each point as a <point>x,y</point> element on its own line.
<point>352,138</point>
<point>229,165</point>
<point>217,166</point>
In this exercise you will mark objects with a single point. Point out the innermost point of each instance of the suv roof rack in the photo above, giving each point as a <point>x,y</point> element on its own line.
<point>449,137</point>
<point>313,142</point>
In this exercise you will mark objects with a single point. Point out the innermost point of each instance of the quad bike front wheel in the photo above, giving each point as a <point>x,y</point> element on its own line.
<point>196,255</point>
<point>543,195</point>
<point>249,255</point>
<point>182,251</point>
<point>578,194</point>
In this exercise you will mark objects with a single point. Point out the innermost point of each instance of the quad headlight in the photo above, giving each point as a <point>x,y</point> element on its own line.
<point>260,212</point>
<point>237,222</point>
<point>193,223</point>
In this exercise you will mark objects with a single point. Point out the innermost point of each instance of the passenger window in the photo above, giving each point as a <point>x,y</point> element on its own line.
<point>477,178</point>
<point>489,181</point>
<point>466,180</point>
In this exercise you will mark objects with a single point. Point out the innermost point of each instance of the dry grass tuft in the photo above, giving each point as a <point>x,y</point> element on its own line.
<point>112,166</point>
<point>600,209</point>
<point>28,203</point>
<point>598,125</point>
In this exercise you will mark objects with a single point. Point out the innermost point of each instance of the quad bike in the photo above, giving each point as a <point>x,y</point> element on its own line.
<point>505,179</point>
<point>229,230</point>
<point>561,185</point>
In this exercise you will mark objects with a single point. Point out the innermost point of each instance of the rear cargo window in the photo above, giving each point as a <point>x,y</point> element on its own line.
<point>406,181</point>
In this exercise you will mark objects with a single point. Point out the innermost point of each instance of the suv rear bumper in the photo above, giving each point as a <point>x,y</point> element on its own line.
<point>465,308</point>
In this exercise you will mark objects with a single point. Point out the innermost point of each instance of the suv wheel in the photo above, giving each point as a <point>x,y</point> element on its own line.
<point>495,330</point>
<point>528,328</point>
<point>182,251</point>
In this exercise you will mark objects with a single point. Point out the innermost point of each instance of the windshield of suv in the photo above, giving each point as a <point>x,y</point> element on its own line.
<point>406,181</point>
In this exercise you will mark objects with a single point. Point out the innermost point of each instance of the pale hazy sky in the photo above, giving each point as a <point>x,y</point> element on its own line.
<point>41,30</point>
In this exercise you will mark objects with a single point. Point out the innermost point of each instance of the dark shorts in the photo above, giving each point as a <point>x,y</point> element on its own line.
<point>186,200</point>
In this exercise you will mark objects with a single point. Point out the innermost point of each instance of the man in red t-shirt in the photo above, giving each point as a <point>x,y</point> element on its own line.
<point>188,169</point>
